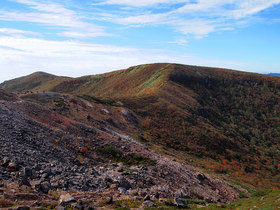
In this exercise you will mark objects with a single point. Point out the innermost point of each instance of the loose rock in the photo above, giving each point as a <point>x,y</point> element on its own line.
<point>66,199</point>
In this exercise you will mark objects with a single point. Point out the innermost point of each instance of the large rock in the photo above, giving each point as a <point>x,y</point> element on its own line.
<point>24,181</point>
<point>66,199</point>
<point>182,194</point>
<point>124,183</point>
<point>148,203</point>
<point>147,198</point>
<point>44,187</point>
<point>180,203</point>
<point>27,172</point>
<point>110,200</point>
<point>122,190</point>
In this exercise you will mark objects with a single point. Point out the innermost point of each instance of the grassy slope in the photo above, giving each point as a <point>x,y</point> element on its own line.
<point>228,121</point>
<point>37,81</point>
<point>266,199</point>
<point>119,84</point>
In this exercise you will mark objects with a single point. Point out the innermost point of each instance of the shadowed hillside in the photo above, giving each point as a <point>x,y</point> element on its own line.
<point>225,121</point>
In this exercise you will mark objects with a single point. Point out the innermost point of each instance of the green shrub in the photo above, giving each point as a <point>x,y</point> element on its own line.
<point>193,201</point>
<point>242,195</point>
<point>100,100</point>
<point>110,152</point>
<point>116,155</point>
<point>60,103</point>
<point>128,204</point>
<point>134,159</point>
<point>259,193</point>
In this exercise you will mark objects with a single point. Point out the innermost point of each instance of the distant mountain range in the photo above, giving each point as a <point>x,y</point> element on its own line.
<point>224,121</point>
<point>274,74</point>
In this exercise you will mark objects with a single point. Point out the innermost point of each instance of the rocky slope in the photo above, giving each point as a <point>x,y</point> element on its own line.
<point>67,144</point>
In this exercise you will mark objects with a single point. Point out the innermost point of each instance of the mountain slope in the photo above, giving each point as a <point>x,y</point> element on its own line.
<point>134,81</point>
<point>31,82</point>
<point>47,147</point>
<point>226,121</point>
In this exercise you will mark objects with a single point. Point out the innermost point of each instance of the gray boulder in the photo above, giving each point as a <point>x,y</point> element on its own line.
<point>180,203</point>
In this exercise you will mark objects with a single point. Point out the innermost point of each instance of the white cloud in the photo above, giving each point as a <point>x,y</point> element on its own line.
<point>198,18</point>
<point>141,19</point>
<point>29,54</point>
<point>250,7</point>
<point>49,7</point>
<point>179,42</point>
<point>140,3</point>
<point>53,14</point>
<point>197,27</point>
<point>12,31</point>
<point>21,56</point>
<point>80,34</point>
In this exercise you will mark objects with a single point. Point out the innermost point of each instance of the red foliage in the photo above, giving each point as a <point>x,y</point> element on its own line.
<point>84,151</point>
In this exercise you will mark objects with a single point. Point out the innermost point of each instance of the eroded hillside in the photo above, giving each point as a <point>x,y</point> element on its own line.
<point>52,143</point>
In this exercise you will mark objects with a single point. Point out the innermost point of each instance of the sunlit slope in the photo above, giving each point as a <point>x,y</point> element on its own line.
<point>135,81</point>
<point>38,81</point>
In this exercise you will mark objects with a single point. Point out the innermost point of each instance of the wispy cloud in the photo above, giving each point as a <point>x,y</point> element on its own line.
<point>139,3</point>
<point>50,7</point>
<point>250,7</point>
<point>67,21</point>
<point>197,18</point>
<point>24,51</point>
<point>141,19</point>
<point>12,32</point>
<point>179,41</point>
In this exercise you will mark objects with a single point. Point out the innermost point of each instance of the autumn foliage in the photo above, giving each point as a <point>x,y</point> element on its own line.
<point>230,118</point>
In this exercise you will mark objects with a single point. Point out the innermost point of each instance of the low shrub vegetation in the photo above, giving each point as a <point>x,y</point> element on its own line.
<point>5,203</point>
<point>116,155</point>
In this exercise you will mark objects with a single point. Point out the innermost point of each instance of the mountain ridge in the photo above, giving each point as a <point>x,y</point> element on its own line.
<point>138,71</point>
<point>29,82</point>
<point>229,118</point>
<point>274,74</point>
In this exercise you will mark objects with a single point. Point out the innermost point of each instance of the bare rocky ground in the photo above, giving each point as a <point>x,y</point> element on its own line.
<point>53,145</point>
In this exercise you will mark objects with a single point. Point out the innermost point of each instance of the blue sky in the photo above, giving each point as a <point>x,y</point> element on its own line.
<point>75,38</point>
